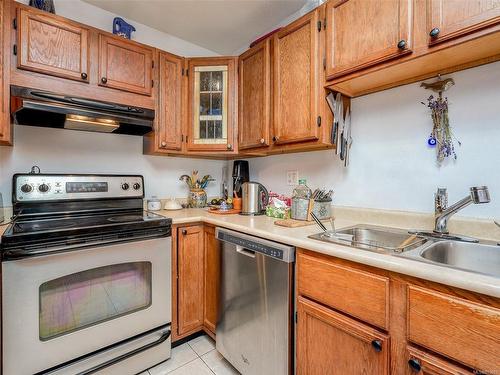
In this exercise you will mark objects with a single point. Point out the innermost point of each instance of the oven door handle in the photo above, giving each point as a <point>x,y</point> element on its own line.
<point>124,356</point>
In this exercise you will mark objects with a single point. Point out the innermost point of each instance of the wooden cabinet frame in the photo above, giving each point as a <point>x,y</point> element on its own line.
<point>5,123</point>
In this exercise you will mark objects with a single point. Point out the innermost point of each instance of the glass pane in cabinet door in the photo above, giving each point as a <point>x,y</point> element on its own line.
<point>210,105</point>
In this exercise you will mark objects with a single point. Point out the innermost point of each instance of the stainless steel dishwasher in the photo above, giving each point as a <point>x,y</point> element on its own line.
<point>255,325</point>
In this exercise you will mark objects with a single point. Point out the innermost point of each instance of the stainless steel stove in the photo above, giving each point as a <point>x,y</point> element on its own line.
<point>86,277</point>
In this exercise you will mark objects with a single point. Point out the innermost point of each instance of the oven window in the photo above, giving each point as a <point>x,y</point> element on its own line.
<point>90,297</point>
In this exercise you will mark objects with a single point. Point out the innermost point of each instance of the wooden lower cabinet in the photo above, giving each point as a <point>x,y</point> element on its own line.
<point>422,363</point>
<point>196,259</point>
<point>190,279</point>
<point>434,329</point>
<point>331,343</point>
<point>211,275</point>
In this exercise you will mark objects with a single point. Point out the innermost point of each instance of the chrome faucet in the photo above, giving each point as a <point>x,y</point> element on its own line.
<point>442,213</point>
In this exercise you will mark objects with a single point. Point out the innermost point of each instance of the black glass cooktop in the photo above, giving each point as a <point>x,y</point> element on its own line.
<point>69,228</point>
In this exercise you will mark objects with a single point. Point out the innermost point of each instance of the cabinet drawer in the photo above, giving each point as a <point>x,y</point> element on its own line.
<point>465,331</point>
<point>361,294</point>
<point>423,363</point>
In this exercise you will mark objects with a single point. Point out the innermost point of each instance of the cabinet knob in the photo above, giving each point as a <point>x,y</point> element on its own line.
<point>276,139</point>
<point>163,144</point>
<point>184,232</point>
<point>414,364</point>
<point>104,80</point>
<point>377,345</point>
<point>229,146</point>
<point>434,32</point>
<point>262,141</point>
<point>84,75</point>
<point>402,44</point>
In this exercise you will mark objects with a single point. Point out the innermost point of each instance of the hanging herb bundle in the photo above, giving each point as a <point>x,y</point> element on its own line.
<point>441,136</point>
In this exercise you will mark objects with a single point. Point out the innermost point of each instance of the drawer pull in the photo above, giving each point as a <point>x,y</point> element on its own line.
<point>184,232</point>
<point>377,345</point>
<point>84,75</point>
<point>402,44</point>
<point>434,32</point>
<point>104,80</point>
<point>414,364</point>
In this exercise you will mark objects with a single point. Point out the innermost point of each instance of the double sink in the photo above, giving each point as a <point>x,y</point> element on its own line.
<point>481,257</point>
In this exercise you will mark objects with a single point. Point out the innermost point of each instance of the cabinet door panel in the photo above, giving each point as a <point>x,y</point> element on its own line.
<point>212,278</point>
<point>254,97</point>
<point>362,33</point>
<point>190,282</point>
<point>171,100</point>
<point>456,18</point>
<point>330,343</point>
<point>212,104</point>
<point>123,65</point>
<point>53,46</point>
<point>295,82</point>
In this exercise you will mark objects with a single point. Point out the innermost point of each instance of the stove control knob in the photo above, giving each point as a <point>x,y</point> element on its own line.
<point>125,186</point>
<point>26,188</point>
<point>136,186</point>
<point>43,188</point>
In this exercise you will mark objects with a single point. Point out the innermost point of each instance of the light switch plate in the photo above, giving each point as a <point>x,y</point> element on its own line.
<point>292,178</point>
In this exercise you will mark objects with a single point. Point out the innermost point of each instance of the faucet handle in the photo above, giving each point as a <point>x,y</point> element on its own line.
<point>441,200</point>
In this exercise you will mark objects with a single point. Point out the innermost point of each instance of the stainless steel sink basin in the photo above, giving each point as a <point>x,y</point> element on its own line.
<point>473,257</point>
<point>368,237</point>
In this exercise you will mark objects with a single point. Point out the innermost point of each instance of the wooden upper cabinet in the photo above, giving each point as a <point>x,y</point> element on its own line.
<point>330,343</point>
<point>447,19</point>
<point>254,93</point>
<point>125,65</point>
<point>362,33</point>
<point>171,98</point>
<point>212,273</point>
<point>212,104</point>
<point>190,279</point>
<point>295,81</point>
<point>52,45</point>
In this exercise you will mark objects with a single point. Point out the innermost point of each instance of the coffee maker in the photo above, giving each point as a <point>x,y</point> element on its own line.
<point>240,176</point>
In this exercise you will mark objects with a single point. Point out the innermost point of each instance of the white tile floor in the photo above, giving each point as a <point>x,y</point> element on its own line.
<point>196,357</point>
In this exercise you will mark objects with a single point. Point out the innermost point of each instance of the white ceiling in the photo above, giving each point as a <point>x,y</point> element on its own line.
<point>223,26</point>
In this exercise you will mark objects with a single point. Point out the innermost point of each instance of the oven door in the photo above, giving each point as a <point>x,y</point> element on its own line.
<point>63,306</point>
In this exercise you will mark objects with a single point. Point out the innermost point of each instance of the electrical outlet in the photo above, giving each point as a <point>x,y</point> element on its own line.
<point>292,178</point>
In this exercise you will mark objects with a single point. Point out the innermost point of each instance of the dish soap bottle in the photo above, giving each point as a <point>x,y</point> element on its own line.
<point>300,201</point>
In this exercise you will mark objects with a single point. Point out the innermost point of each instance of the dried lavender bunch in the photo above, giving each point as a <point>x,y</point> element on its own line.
<point>441,135</point>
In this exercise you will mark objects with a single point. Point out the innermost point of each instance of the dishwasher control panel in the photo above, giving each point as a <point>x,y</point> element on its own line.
<point>259,245</point>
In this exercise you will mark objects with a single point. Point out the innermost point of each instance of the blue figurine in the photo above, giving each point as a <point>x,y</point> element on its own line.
<point>122,28</point>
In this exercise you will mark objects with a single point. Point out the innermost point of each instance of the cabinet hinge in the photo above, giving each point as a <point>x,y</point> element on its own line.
<point>296,317</point>
<point>186,139</point>
<point>318,121</point>
<point>324,24</point>
<point>319,25</point>
<point>152,83</point>
<point>187,72</point>
<point>182,138</point>
<point>15,49</point>
<point>152,64</point>
<point>14,23</point>
<point>182,71</point>
<point>324,63</point>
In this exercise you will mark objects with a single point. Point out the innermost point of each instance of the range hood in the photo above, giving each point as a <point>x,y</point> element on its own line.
<point>45,109</point>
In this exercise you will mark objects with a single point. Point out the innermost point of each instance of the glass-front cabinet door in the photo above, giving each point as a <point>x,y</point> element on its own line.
<point>211,113</point>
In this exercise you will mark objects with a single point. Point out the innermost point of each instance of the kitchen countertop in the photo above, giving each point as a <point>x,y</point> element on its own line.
<point>263,226</point>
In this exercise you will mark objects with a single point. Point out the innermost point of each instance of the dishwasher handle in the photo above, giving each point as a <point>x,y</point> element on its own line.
<point>248,253</point>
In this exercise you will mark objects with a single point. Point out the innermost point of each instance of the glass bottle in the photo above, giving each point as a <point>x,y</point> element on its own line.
<point>300,201</point>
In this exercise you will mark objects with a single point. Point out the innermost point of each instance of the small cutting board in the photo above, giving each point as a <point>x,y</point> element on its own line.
<point>291,223</point>
<point>224,212</point>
